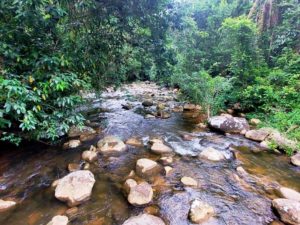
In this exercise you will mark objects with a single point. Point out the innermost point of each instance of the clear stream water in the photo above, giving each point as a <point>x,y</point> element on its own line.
<point>26,173</point>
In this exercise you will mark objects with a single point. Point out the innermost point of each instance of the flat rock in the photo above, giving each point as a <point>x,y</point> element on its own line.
<point>160,148</point>
<point>89,156</point>
<point>111,145</point>
<point>228,124</point>
<point>76,131</point>
<point>59,220</point>
<point>75,188</point>
<point>147,167</point>
<point>200,211</point>
<point>295,159</point>
<point>188,181</point>
<point>257,135</point>
<point>144,219</point>
<point>134,142</point>
<point>212,154</point>
<point>6,205</point>
<point>289,210</point>
<point>140,194</point>
<point>289,194</point>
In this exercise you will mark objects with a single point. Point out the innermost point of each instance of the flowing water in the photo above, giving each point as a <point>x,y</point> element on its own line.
<point>26,173</point>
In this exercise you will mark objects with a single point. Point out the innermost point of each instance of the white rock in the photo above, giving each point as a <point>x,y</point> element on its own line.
<point>289,210</point>
<point>160,148</point>
<point>200,211</point>
<point>188,181</point>
<point>168,170</point>
<point>59,220</point>
<point>147,167</point>
<point>144,219</point>
<point>75,188</point>
<point>212,154</point>
<point>289,194</point>
<point>6,205</point>
<point>111,145</point>
<point>140,194</point>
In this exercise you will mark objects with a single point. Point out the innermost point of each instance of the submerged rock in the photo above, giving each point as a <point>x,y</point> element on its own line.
<point>144,219</point>
<point>228,124</point>
<point>289,210</point>
<point>200,211</point>
<point>134,142</point>
<point>59,220</point>
<point>295,159</point>
<point>6,205</point>
<point>188,181</point>
<point>212,154</point>
<point>160,148</point>
<point>73,167</point>
<point>147,167</point>
<point>75,188</point>
<point>140,194</point>
<point>89,156</point>
<point>111,145</point>
<point>163,114</point>
<point>76,131</point>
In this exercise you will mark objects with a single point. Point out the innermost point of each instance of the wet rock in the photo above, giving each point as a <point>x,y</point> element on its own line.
<point>188,181</point>
<point>86,166</point>
<point>255,121</point>
<point>59,220</point>
<point>152,210</point>
<point>89,156</point>
<point>228,124</point>
<point>6,205</point>
<point>131,174</point>
<point>230,111</point>
<point>160,106</point>
<point>76,131</point>
<point>275,137</point>
<point>212,154</point>
<point>200,211</point>
<point>146,167</point>
<point>155,140</point>
<point>257,135</point>
<point>140,194</point>
<point>276,222</point>
<point>149,116</point>
<point>71,211</point>
<point>127,106</point>
<point>55,183</point>
<point>129,183</point>
<point>188,137</point>
<point>160,148</point>
<point>72,144</point>
<point>134,142</point>
<point>177,109</point>
<point>168,170</point>
<point>73,167</point>
<point>144,219</point>
<point>147,103</point>
<point>201,125</point>
<point>289,194</point>
<point>87,137</point>
<point>75,188</point>
<point>289,210</point>
<point>191,107</point>
<point>295,159</point>
<point>166,160</point>
<point>163,114</point>
<point>111,145</point>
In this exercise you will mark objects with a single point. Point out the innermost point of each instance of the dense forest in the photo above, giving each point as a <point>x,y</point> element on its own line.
<point>238,54</point>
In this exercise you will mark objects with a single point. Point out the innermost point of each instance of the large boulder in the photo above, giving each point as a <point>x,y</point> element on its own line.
<point>289,210</point>
<point>200,211</point>
<point>140,194</point>
<point>212,154</point>
<point>295,159</point>
<point>228,124</point>
<point>6,205</point>
<point>147,167</point>
<point>257,135</point>
<point>59,220</point>
<point>75,188</point>
<point>76,131</point>
<point>144,219</point>
<point>281,141</point>
<point>160,148</point>
<point>289,194</point>
<point>111,145</point>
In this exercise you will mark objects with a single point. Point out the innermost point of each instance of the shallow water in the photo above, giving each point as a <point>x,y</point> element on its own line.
<point>27,172</point>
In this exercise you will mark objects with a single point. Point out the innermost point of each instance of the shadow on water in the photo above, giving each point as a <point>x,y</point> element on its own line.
<point>26,173</point>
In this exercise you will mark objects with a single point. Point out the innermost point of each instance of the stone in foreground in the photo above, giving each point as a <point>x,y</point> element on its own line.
<point>200,211</point>
<point>188,181</point>
<point>289,210</point>
<point>144,219</point>
<point>212,154</point>
<point>140,194</point>
<point>147,167</point>
<point>228,124</point>
<point>295,159</point>
<point>111,145</point>
<point>59,220</point>
<point>75,188</point>
<point>160,148</point>
<point>6,205</point>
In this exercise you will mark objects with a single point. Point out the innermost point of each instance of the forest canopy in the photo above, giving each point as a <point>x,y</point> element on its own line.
<point>220,53</point>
